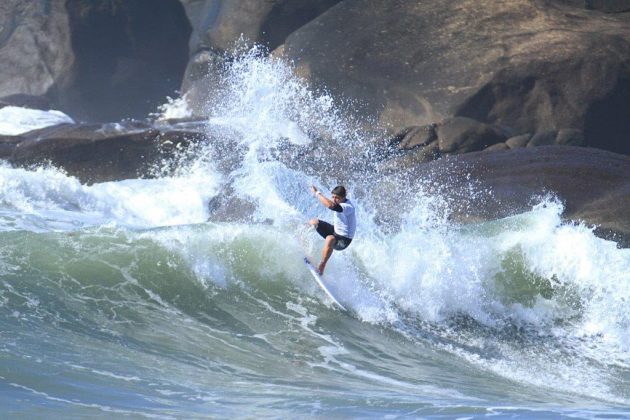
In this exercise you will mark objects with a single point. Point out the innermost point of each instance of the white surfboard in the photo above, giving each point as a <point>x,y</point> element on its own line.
<point>322,285</point>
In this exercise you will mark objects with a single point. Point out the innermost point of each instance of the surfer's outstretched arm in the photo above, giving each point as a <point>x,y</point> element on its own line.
<point>322,198</point>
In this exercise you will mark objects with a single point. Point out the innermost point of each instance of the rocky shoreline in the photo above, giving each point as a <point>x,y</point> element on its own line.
<point>505,89</point>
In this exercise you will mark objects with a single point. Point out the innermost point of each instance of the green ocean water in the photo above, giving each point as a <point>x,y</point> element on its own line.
<point>224,320</point>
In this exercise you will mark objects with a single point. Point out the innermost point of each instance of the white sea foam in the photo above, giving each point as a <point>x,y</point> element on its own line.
<point>429,267</point>
<point>438,273</point>
<point>265,101</point>
<point>174,108</point>
<point>15,120</point>
<point>63,201</point>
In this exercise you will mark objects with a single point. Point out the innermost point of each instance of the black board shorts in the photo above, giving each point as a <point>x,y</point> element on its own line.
<point>326,229</point>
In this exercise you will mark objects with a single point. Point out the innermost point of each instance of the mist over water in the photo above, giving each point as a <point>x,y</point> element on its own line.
<point>186,295</point>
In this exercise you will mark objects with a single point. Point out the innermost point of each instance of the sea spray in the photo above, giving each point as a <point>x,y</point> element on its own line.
<point>56,198</point>
<point>16,120</point>
<point>266,102</point>
<point>280,123</point>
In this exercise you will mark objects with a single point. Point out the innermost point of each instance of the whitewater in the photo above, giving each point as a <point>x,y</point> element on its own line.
<point>184,295</point>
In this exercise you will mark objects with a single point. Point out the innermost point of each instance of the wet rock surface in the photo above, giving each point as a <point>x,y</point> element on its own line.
<point>593,185</point>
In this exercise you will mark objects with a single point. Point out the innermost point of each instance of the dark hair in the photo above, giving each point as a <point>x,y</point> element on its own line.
<point>339,190</point>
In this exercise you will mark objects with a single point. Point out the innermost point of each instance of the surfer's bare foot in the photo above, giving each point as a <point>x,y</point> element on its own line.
<point>321,267</point>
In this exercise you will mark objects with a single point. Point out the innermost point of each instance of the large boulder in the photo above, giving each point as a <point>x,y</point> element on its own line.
<point>221,29</point>
<point>129,55</point>
<point>35,46</point>
<point>25,101</point>
<point>95,60</point>
<point>593,184</point>
<point>100,152</point>
<point>418,144</point>
<point>529,65</point>
<point>462,135</point>
<point>218,25</point>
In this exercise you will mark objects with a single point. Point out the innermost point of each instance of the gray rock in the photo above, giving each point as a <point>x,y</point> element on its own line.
<point>526,64</point>
<point>411,137</point>
<point>218,25</point>
<point>610,6</point>
<point>25,101</point>
<point>410,158</point>
<point>545,138</point>
<point>497,147</point>
<point>100,152</point>
<point>593,184</point>
<point>221,29</point>
<point>94,60</point>
<point>462,135</point>
<point>35,46</point>
<point>606,6</point>
<point>8,144</point>
<point>518,141</point>
<point>570,137</point>
<point>201,80</point>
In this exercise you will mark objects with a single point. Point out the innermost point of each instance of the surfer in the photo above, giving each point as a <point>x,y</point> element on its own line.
<point>338,235</point>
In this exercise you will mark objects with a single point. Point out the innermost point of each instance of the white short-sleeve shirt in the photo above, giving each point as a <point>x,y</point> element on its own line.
<point>345,221</point>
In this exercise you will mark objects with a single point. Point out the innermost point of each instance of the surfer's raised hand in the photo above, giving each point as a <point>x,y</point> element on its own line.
<point>314,189</point>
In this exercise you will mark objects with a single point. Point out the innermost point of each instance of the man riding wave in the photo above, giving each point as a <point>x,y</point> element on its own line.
<point>338,235</point>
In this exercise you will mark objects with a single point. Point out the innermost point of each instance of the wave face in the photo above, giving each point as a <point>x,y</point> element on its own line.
<point>186,295</point>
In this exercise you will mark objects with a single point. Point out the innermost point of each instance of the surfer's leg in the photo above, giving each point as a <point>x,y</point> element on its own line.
<point>323,228</point>
<point>326,252</point>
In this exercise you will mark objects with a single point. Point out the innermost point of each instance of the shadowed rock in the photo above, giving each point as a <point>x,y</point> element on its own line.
<point>35,46</point>
<point>96,60</point>
<point>497,147</point>
<point>518,141</point>
<point>455,135</point>
<point>461,135</point>
<point>594,185</point>
<point>220,28</point>
<point>8,144</point>
<point>530,65</point>
<point>545,138</point>
<point>100,152</point>
<point>412,137</point>
<point>128,56</point>
<point>606,6</point>
<point>570,137</point>
<point>25,101</point>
